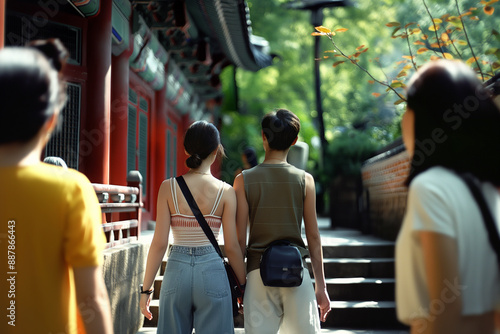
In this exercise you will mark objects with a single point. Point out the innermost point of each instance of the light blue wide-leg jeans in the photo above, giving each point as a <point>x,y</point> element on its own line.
<point>195,293</point>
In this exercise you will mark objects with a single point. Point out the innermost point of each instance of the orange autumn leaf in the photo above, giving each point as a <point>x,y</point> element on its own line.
<point>393,24</point>
<point>341,30</point>
<point>402,74</point>
<point>360,47</point>
<point>376,94</point>
<point>323,29</point>
<point>471,60</point>
<point>422,50</point>
<point>337,63</point>
<point>445,37</point>
<point>489,10</point>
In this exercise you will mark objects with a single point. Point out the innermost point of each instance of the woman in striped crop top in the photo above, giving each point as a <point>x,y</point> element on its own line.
<point>195,291</point>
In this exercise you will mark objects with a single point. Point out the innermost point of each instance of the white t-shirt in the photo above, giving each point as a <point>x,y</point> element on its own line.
<point>441,202</point>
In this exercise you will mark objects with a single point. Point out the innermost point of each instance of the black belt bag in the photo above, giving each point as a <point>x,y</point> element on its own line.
<point>281,265</point>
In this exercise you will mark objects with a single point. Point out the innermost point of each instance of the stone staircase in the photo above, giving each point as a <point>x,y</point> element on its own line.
<point>359,271</point>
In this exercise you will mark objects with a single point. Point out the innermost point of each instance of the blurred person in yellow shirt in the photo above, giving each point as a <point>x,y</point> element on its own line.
<point>51,240</point>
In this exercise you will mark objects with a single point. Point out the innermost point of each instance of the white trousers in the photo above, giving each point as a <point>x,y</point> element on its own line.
<point>287,310</point>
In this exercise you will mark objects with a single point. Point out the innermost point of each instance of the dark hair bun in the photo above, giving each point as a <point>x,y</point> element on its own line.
<point>194,161</point>
<point>53,50</point>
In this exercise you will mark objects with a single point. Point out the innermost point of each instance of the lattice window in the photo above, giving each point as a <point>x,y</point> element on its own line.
<point>144,104</point>
<point>131,138</point>
<point>21,29</point>
<point>137,141</point>
<point>143,149</point>
<point>65,143</point>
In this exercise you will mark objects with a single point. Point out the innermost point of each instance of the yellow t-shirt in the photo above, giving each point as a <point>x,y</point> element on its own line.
<point>49,223</point>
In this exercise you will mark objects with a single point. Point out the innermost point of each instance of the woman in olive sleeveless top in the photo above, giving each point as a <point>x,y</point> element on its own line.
<point>274,197</point>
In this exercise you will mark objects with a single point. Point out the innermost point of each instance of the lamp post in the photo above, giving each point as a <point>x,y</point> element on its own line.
<point>316,8</point>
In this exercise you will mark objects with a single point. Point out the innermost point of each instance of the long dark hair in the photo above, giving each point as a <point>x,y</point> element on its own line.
<point>201,139</point>
<point>31,88</point>
<point>457,124</point>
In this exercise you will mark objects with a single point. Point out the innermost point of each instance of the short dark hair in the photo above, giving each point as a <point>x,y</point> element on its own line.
<point>457,124</point>
<point>31,88</point>
<point>281,127</point>
<point>251,156</point>
<point>201,139</point>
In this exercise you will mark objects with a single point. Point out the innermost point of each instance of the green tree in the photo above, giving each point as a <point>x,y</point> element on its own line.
<point>348,101</point>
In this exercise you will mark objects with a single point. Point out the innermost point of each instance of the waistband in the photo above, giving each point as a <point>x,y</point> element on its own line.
<point>200,250</point>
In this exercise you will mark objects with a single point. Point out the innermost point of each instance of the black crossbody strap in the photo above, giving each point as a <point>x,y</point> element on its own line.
<point>197,213</point>
<point>488,220</point>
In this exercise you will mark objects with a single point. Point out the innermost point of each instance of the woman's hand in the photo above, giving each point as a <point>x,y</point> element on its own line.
<point>144,304</point>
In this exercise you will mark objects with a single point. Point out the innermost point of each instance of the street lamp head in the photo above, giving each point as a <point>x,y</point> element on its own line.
<point>317,4</point>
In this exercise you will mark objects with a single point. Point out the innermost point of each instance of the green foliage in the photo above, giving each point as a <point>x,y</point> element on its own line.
<point>239,133</point>
<point>348,101</point>
<point>446,31</point>
<point>346,153</point>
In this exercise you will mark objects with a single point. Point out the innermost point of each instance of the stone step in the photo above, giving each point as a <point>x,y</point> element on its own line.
<point>363,314</point>
<point>345,288</point>
<point>383,249</point>
<point>152,330</point>
<point>361,288</point>
<point>361,331</point>
<point>357,267</point>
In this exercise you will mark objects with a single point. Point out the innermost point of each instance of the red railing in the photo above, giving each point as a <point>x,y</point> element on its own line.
<point>121,210</point>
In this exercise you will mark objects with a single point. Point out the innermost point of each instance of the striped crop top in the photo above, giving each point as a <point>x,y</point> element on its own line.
<point>185,228</point>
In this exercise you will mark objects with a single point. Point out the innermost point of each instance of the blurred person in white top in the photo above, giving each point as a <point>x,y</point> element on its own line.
<point>447,274</point>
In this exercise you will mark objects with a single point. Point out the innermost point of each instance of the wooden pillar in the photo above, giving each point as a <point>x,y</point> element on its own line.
<point>95,133</point>
<point>157,148</point>
<point>2,23</point>
<point>119,118</point>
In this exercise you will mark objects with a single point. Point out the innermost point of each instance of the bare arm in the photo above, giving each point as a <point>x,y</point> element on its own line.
<point>92,299</point>
<point>158,246</point>
<point>441,270</point>
<point>315,249</point>
<point>242,212</point>
<point>231,245</point>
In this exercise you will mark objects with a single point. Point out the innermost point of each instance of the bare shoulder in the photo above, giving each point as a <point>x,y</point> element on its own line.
<point>229,190</point>
<point>309,179</point>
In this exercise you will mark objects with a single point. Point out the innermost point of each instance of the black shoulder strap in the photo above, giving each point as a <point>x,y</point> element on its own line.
<point>488,220</point>
<point>197,213</point>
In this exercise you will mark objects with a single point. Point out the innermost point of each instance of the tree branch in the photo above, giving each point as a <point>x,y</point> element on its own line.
<point>468,41</point>
<point>435,27</point>
<point>364,69</point>
<point>409,49</point>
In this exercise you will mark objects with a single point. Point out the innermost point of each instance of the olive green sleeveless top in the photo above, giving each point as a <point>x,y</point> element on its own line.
<point>275,196</point>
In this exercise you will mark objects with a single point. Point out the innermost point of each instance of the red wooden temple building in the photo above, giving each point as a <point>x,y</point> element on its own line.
<point>139,73</point>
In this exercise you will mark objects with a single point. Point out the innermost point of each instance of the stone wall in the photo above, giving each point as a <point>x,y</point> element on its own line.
<point>385,193</point>
<point>123,271</point>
